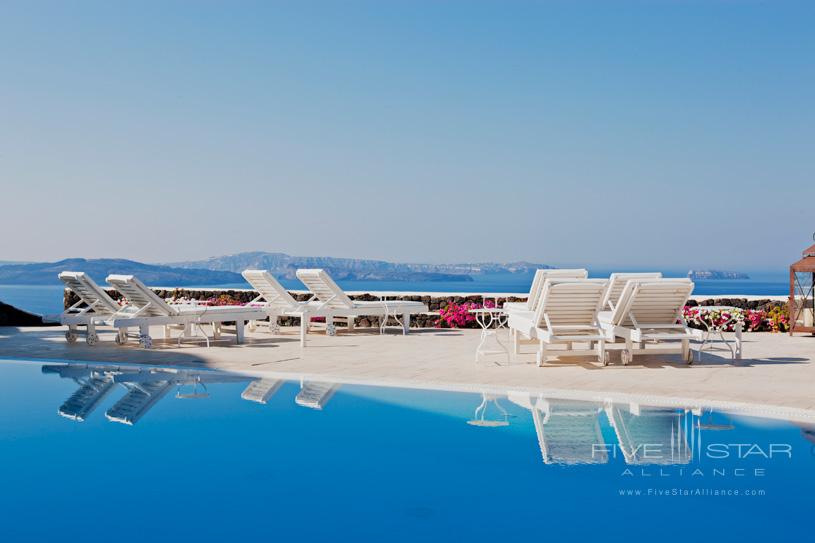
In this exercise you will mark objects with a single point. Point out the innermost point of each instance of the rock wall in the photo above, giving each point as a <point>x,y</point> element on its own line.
<point>11,316</point>
<point>428,320</point>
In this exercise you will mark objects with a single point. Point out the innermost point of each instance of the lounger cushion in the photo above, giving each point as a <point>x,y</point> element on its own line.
<point>515,306</point>
<point>523,322</point>
<point>201,309</point>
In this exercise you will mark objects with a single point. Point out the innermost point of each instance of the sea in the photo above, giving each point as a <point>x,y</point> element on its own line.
<point>47,299</point>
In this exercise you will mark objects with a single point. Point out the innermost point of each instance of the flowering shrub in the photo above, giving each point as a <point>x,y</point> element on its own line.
<point>779,319</point>
<point>223,299</point>
<point>752,320</point>
<point>455,315</point>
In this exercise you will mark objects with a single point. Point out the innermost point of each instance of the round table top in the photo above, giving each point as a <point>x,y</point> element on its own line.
<point>487,310</point>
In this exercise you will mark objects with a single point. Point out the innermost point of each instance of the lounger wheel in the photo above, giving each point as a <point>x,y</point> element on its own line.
<point>146,342</point>
<point>626,356</point>
<point>606,358</point>
<point>689,357</point>
<point>70,337</point>
<point>331,330</point>
<point>274,328</point>
<point>121,339</point>
<point>91,339</point>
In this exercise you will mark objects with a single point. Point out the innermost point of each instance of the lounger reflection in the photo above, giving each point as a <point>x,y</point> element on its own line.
<point>650,435</point>
<point>141,397</point>
<point>145,388</point>
<point>261,390</point>
<point>315,395</point>
<point>94,387</point>
<point>568,430</point>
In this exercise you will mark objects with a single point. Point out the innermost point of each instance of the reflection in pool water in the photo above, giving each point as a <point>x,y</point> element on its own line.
<point>177,454</point>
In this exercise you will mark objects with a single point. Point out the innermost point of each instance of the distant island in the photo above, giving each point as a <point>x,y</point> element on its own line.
<point>285,266</point>
<point>716,274</point>
<point>226,269</point>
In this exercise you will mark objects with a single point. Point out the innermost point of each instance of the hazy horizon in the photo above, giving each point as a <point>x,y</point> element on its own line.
<point>593,266</point>
<point>629,134</point>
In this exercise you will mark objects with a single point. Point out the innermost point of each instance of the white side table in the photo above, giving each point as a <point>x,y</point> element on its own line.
<point>490,319</point>
<point>710,329</point>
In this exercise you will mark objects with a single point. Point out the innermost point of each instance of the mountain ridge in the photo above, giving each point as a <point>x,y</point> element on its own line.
<point>226,269</point>
<point>45,273</point>
<point>285,266</point>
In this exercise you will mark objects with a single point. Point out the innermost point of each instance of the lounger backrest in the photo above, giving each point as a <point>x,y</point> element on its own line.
<point>141,298</point>
<point>324,288</point>
<point>617,282</point>
<point>270,288</point>
<point>570,302</point>
<point>652,302</point>
<point>540,278</point>
<point>89,292</point>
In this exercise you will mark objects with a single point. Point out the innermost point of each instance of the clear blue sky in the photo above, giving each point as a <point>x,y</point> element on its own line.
<point>630,133</point>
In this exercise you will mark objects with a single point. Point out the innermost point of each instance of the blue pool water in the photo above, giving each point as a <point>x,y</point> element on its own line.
<point>48,299</point>
<point>376,464</point>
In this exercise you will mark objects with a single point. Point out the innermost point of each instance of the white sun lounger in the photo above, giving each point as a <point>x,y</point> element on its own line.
<point>94,308</point>
<point>538,280</point>
<point>272,295</point>
<point>566,314</point>
<point>148,309</point>
<point>651,312</point>
<point>616,285</point>
<point>277,301</point>
<point>650,435</point>
<point>261,390</point>
<point>140,398</point>
<point>332,303</point>
<point>315,395</point>
<point>88,396</point>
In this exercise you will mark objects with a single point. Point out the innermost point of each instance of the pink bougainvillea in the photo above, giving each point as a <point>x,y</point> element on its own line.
<point>455,315</point>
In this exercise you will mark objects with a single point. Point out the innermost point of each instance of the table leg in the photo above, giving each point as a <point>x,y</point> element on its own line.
<point>738,341</point>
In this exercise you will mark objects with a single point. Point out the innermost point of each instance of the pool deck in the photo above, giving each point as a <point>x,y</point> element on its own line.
<point>776,378</point>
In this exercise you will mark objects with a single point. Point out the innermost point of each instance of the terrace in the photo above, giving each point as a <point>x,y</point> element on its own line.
<point>773,380</point>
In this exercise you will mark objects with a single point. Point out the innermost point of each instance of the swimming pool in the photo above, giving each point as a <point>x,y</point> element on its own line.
<point>174,454</point>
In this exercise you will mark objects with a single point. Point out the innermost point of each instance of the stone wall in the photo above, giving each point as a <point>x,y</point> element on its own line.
<point>434,302</point>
